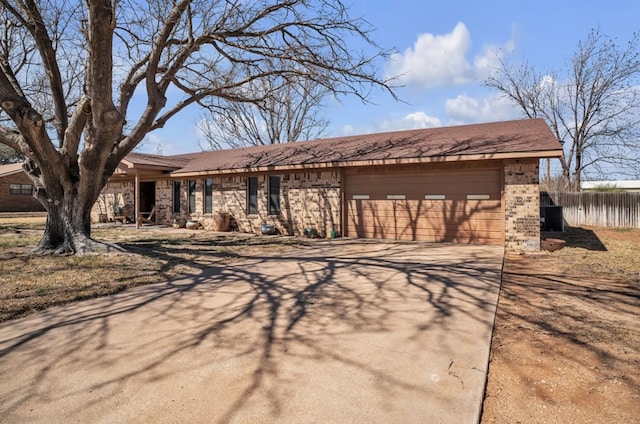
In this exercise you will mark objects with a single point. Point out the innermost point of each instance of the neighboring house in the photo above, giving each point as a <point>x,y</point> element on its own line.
<point>619,185</point>
<point>464,184</point>
<point>16,190</point>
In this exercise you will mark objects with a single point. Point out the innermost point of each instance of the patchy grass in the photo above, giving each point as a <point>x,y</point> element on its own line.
<point>23,219</point>
<point>602,252</point>
<point>31,282</point>
<point>566,341</point>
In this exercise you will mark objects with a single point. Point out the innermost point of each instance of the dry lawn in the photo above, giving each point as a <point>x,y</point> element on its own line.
<point>566,344</point>
<point>31,282</point>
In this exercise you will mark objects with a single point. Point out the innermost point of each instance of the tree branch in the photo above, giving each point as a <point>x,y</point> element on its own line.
<point>38,29</point>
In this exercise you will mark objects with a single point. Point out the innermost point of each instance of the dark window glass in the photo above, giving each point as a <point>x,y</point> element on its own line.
<point>208,195</point>
<point>274,195</point>
<point>192,196</point>
<point>22,189</point>
<point>176,197</point>
<point>252,195</point>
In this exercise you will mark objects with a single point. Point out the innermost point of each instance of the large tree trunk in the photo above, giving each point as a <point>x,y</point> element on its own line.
<point>68,229</point>
<point>68,197</point>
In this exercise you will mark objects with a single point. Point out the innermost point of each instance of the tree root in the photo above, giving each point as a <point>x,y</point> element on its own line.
<point>79,245</point>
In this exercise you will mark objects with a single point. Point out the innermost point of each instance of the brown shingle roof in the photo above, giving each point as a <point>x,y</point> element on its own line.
<point>492,139</point>
<point>148,160</point>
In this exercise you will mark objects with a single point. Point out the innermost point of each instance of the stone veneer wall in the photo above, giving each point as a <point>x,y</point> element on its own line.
<point>114,194</point>
<point>308,200</point>
<point>123,192</point>
<point>522,205</point>
<point>164,201</point>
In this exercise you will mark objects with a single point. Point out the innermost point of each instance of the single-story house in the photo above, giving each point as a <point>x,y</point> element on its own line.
<point>16,190</point>
<point>464,184</point>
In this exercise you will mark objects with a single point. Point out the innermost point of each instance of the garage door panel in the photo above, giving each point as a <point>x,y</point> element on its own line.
<point>452,218</point>
<point>461,212</point>
<point>437,225</point>
<point>430,234</point>
<point>437,183</point>
<point>488,220</point>
<point>426,208</point>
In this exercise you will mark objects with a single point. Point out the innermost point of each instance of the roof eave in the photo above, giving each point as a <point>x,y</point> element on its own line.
<point>6,174</point>
<point>348,164</point>
<point>135,165</point>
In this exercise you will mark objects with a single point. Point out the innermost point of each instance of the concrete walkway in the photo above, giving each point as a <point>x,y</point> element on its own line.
<point>344,331</point>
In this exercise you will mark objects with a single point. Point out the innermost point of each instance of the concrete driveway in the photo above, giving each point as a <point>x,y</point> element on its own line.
<point>344,331</point>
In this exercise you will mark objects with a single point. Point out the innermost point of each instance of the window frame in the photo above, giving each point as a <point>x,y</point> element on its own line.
<point>176,196</point>
<point>252,195</point>
<point>207,192</point>
<point>274,195</point>
<point>191,196</point>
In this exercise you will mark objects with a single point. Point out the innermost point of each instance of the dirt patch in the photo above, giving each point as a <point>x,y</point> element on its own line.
<point>566,344</point>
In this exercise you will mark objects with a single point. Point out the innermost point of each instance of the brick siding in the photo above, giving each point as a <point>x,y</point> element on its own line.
<point>17,202</point>
<point>522,205</point>
<point>308,200</point>
<point>115,194</point>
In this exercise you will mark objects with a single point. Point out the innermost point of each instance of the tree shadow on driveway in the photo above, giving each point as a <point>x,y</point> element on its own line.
<point>333,331</point>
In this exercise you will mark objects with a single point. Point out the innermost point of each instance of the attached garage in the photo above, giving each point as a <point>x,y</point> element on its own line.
<point>426,203</point>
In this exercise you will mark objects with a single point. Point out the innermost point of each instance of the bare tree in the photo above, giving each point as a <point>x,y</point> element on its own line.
<point>593,108</point>
<point>289,111</point>
<point>71,69</point>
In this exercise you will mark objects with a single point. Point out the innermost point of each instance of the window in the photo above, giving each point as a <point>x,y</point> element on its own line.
<point>274,195</point>
<point>176,197</point>
<point>478,196</point>
<point>21,189</point>
<point>252,195</point>
<point>192,196</point>
<point>208,195</point>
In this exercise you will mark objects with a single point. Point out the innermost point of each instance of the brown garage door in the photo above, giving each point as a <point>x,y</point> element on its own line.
<point>461,206</point>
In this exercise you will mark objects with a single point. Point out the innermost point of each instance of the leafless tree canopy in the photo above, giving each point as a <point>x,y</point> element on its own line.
<point>289,111</point>
<point>69,72</point>
<point>593,107</point>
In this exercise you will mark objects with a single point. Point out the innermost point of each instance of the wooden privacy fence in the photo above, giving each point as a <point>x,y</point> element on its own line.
<point>618,209</point>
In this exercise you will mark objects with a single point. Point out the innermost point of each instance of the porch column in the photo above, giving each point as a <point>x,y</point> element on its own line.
<point>137,201</point>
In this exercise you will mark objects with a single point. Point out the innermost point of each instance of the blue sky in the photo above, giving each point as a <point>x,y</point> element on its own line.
<point>446,49</point>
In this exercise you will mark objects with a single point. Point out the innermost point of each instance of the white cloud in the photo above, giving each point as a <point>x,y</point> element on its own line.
<point>412,121</point>
<point>466,110</point>
<point>488,61</point>
<point>434,60</point>
<point>347,130</point>
<point>419,120</point>
<point>154,144</point>
<point>548,82</point>
<point>441,60</point>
